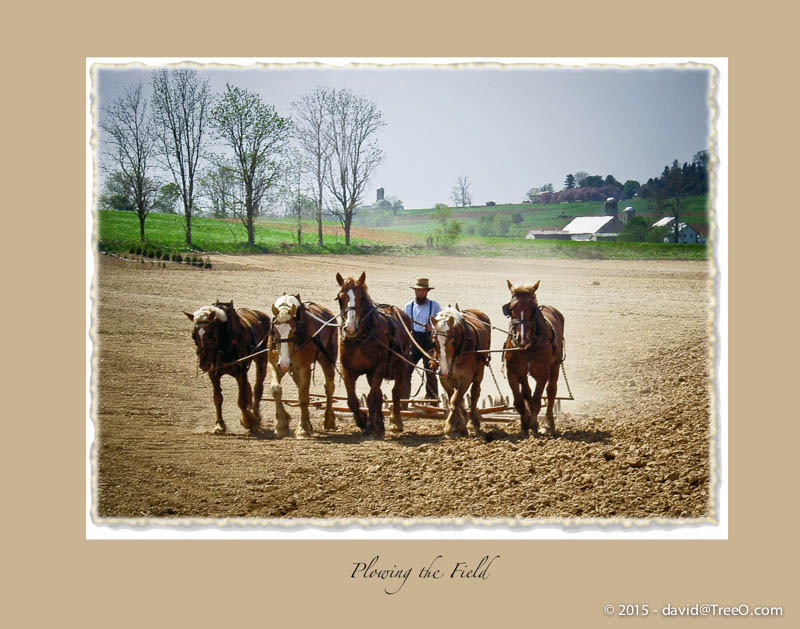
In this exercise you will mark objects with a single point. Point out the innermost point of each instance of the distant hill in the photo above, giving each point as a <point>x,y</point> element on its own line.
<point>545,216</point>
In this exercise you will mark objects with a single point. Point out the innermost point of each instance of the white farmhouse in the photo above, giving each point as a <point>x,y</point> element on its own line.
<point>692,234</point>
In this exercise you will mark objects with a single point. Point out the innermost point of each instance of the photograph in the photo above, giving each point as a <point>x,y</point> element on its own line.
<point>439,294</point>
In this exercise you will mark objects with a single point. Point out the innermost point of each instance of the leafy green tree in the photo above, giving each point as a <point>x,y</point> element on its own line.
<point>592,181</point>
<point>516,218</point>
<point>448,229</point>
<point>635,230</point>
<point>630,188</point>
<point>569,182</point>
<point>219,186</point>
<point>502,224</point>
<point>115,194</point>
<point>168,196</point>
<point>257,136</point>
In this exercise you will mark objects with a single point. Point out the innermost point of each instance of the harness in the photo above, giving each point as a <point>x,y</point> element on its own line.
<point>468,344</point>
<point>537,331</point>
<point>298,339</point>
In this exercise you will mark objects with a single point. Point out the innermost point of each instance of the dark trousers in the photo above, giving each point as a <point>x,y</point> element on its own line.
<point>425,341</point>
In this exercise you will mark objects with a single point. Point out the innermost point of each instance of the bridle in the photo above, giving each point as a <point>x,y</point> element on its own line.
<point>520,322</point>
<point>362,318</point>
<point>212,353</point>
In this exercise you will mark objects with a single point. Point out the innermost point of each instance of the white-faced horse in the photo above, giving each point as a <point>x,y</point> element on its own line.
<point>302,334</point>
<point>459,335</point>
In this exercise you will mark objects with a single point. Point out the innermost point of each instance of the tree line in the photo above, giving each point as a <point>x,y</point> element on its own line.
<point>691,178</point>
<point>157,152</point>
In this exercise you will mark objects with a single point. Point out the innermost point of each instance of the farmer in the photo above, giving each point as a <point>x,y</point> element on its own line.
<point>421,309</point>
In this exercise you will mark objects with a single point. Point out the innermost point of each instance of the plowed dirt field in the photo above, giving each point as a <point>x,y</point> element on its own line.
<point>634,443</point>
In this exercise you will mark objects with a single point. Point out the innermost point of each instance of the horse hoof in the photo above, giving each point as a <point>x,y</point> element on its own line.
<point>219,429</point>
<point>282,433</point>
<point>302,434</point>
<point>396,428</point>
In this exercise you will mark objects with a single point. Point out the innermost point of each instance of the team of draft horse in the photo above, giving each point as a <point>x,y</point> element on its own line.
<point>374,340</point>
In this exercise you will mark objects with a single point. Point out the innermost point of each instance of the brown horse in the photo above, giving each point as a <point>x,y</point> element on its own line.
<point>300,337</point>
<point>223,335</point>
<point>539,333</point>
<point>373,343</point>
<point>459,334</point>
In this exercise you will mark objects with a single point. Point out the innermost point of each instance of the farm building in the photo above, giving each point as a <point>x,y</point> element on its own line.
<point>582,228</point>
<point>692,234</point>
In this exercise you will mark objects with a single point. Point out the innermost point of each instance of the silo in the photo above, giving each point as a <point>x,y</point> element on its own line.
<point>627,214</point>
<point>611,207</point>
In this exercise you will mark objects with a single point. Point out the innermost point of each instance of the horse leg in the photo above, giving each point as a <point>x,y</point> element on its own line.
<point>352,400</point>
<point>517,384</point>
<point>475,392</point>
<point>397,394</point>
<point>552,390</point>
<point>258,391</point>
<point>330,418</point>
<point>219,427</point>
<point>245,400</point>
<point>451,422</point>
<point>375,404</point>
<point>536,401</point>
<point>281,416</point>
<point>302,378</point>
<point>461,391</point>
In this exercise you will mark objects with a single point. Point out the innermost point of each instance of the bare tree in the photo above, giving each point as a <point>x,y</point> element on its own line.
<point>350,127</point>
<point>461,193</point>
<point>257,135</point>
<point>182,105</point>
<point>580,176</point>
<point>130,146</point>
<point>310,119</point>
<point>299,204</point>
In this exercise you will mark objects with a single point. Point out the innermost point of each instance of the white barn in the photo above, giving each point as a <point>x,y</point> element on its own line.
<point>582,228</point>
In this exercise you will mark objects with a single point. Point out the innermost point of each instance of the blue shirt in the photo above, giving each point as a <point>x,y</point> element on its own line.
<point>420,314</point>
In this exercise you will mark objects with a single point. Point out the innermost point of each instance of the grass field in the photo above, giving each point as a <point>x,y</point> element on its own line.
<point>119,231</point>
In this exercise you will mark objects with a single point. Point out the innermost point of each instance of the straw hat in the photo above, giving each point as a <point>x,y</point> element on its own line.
<point>422,282</point>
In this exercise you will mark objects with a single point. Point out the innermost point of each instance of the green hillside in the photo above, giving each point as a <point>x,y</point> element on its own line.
<point>544,216</point>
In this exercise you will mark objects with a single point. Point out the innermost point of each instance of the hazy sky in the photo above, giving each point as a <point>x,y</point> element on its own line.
<point>507,129</point>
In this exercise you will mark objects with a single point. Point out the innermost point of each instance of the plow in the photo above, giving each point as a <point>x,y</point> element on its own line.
<point>493,409</point>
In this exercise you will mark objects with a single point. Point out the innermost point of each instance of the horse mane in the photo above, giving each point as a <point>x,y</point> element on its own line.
<point>524,289</point>
<point>284,304</point>
<point>350,282</point>
<point>234,325</point>
<point>202,315</point>
<point>449,312</point>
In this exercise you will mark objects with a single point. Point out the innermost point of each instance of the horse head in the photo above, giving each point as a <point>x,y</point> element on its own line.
<point>284,327</point>
<point>446,325</point>
<point>210,323</point>
<point>354,302</point>
<point>522,310</point>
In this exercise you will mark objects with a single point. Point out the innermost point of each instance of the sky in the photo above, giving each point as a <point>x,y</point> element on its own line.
<point>506,128</point>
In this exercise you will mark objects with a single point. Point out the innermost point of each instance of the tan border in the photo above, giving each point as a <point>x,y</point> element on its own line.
<point>53,576</point>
